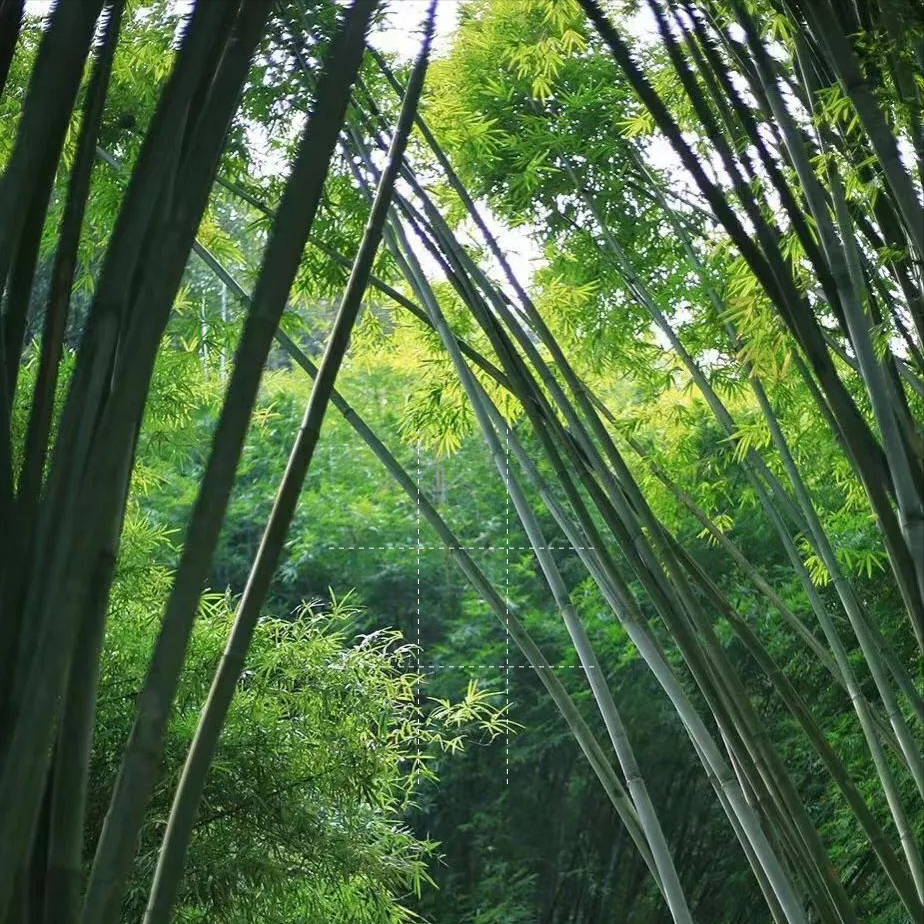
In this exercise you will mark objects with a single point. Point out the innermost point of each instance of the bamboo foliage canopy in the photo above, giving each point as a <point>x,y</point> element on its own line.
<point>771,276</point>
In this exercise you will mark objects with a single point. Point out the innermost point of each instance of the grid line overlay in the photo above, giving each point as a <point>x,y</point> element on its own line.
<point>456,548</point>
<point>502,667</point>
<point>506,548</point>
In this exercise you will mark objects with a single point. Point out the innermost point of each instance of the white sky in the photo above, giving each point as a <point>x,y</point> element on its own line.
<point>404,30</point>
<point>401,36</point>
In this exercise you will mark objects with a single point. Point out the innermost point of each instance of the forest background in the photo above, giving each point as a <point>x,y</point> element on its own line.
<point>390,752</point>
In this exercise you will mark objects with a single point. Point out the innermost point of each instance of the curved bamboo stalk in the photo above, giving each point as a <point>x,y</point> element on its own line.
<point>832,883</point>
<point>24,190</point>
<point>11,17</point>
<point>624,607</point>
<point>71,766</point>
<point>858,622</point>
<point>808,515</point>
<point>90,385</point>
<point>546,337</point>
<point>841,58</point>
<point>863,449</point>
<point>62,563</point>
<point>816,532</point>
<point>758,580</point>
<point>648,818</point>
<point>908,888</point>
<point>46,114</point>
<point>192,782</point>
<point>139,769</point>
<point>38,428</point>
<point>843,259</point>
<point>807,837</point>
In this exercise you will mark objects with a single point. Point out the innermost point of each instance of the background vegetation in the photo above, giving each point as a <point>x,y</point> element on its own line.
<point>667,488</point>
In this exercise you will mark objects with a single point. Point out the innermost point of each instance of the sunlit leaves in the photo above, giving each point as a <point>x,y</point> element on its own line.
<point>751,435</point>
<point>640,123</point>
<point>723,522</point>
<point>437,411</point>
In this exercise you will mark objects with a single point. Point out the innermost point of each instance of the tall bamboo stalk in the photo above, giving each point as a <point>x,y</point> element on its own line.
<point>11,18</point>
<point>808,516</point>
<point>70,769</point>
<point>25,187</point>
<point>591,493</point>
<point>508,370</point>
<point>61,567</point>
<point>862,448</point>
<point>121,827</point>
<point>192,782</point>
<point>20,536</point>
<point>623,604</point>
<point>841,58</point>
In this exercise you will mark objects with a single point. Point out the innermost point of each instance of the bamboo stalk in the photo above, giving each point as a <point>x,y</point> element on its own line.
<point>46,114</point>
<point>840,57</point>
<point>25,187</point>
<point>90,383</point>
<point>300,201</point>
<point>460,293</point>
<point>62,275</point>
<point>863,450</point>
<point>908,888</point>
<point>623,605</point>
<point>57,582</point>
<point>508,370</point>
<point>858,622</point>
<point>841,255</point>
<point>70,770</point>
<point>805,516</point>
<point>11,18</point>
<point>192,782</point>
<point>813,846</point>
<point>808,515</point>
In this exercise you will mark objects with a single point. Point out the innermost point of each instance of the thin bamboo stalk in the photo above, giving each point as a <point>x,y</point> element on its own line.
<point>90,383</point>
<point>863,450</point>
<point>24,189</point>
<point>192,782</point>
<point>842,257</point>
<point>11,18</point>
<point>758,580</point>
<point>805,517</point>
<point>808,515</point>
<point>841,58</point>
<point>624,606</point>
<point>822,864</point>
<point>811,843</point>
<point>71,765</point>
<point>62,275</point>
<point>858,622</point>
<point>908,888</point>
<point>46,114</point>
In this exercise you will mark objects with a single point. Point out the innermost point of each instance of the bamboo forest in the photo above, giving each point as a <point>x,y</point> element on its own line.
<point>461,461</point>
